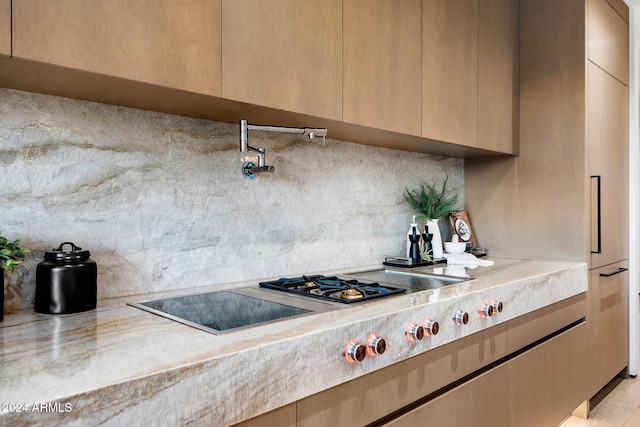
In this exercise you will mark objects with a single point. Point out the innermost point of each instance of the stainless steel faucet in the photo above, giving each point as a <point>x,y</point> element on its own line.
<point>249,169</point>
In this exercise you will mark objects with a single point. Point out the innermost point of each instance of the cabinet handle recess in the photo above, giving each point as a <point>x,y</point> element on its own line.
<point>596,229</point>
<point>618,271</point>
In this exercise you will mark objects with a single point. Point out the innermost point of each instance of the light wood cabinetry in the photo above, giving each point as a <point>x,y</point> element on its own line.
<point>5,27</point>
<point>284,54</point>
<point>431,76</point>
<point>608,324</point>
<point>162,42</point>
<point>498,61</point>
<point>450,71</point>
<point>382,68</point>
<point>573,126</point>
<point>549,380</point>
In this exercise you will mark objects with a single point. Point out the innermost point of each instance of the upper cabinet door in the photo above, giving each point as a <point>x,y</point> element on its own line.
<point>163,42</point>
<point>382,65</point>
<point>284,54</point>
<point>5,27</point>
<point>450,71</point>
<point>608,44</point>
<point>498,71</point>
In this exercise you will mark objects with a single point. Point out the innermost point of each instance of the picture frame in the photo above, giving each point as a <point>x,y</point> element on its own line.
<point>461,226</point>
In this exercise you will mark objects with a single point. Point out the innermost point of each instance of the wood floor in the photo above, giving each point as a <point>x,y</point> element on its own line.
<point>619,408</point>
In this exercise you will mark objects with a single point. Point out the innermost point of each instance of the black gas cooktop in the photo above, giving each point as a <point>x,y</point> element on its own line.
<point>332,288</point>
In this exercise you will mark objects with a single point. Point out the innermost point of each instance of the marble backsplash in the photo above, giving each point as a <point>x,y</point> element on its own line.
<point>160,201</point>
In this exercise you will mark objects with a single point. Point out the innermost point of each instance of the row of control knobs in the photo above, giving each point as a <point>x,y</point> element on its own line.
<point>356,352</point>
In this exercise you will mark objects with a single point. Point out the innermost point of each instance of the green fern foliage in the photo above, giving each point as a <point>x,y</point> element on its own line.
<point>428,203</point>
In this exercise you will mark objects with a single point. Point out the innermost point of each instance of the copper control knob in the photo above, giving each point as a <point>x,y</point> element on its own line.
<point>376,345</point>
<point>497,306</point>
<point>431,327</point>
<point>415,332</point>
<point>355,352</point>
<point>486,310</point>
<point>461,318</point>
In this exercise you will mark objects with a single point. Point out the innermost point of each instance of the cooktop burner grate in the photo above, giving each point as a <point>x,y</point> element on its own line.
<point>332,288</point>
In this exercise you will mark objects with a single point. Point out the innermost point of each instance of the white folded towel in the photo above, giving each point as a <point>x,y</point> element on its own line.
<point>467,259</point>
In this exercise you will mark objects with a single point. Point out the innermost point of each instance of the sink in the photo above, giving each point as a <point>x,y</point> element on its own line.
<point>226,311</point>
<point>414,280</point>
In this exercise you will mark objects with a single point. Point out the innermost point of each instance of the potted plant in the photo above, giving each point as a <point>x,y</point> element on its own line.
<point>431,205</point>
<point>11,254</point>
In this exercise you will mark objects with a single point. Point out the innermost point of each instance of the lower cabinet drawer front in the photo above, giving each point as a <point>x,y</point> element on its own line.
<point>607,321</point>
<point>281,417</point>
<point>531,327</point>
<point>547,382</point>
<point>481,401</point>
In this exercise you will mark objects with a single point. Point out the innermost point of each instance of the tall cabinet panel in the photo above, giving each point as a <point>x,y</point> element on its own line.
<point>607,136</point>
<point>285,54</point>
<point>450,71</point>
<point>608,44</point>
<point>5,27</point>
<point>382,68</point>
<point>167,43</point>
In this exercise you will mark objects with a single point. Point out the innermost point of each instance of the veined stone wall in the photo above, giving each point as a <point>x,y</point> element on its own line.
<point>160,201</point>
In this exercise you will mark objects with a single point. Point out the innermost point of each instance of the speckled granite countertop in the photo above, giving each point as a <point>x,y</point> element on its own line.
<point>118,365</point>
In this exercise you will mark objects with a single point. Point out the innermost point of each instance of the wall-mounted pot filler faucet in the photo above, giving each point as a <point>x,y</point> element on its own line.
<point>249,169</point>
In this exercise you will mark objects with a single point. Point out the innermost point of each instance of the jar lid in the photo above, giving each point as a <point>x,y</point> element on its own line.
<point>76,253</point>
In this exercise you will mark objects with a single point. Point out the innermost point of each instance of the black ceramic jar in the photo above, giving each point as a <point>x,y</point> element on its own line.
<point>66,281</point>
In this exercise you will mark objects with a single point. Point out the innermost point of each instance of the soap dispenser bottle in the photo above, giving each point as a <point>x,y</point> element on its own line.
<point>412,226</point>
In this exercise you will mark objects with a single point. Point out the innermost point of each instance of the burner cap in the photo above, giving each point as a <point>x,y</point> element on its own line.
<point>351,294</point>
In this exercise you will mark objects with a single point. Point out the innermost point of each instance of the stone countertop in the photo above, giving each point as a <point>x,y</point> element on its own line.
<point>119,365</point>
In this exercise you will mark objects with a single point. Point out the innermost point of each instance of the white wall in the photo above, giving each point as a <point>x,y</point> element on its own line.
<point>634,185</point>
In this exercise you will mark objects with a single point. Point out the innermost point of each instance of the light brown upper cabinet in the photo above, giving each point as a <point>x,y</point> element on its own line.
<point>163,42</point>
<point>382,65</point>
<point>470,73</point>
<point>5,27</point>
<point>450,71</point>
<point>284,54</point>
<point>608,39</point>
<point>498,69</point>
